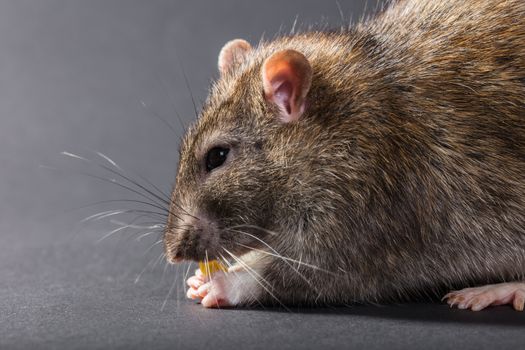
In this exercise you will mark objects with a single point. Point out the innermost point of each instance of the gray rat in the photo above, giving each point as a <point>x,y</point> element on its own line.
<point>382,163</point>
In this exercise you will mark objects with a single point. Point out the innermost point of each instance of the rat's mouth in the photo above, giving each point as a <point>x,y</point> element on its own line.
<point>200,236</point>
<point>196,244</point>
<point>187,246</point>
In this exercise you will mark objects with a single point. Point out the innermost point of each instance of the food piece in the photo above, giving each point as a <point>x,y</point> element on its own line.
<point>211,267</point>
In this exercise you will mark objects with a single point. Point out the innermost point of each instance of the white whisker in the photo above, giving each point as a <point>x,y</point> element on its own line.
<point>185,278</point>
<point>273,233</point>
<point>69,154</point>
<point>109,160</point>
<point>103,215</point>
<point>137,279</point>
<point>258,278</point>
<point>138,227</point>
<point>289,259</point>
<point>169,293</point>
<point>153,245</point>
<point>145,234</point>
<point>208,273</point>
<point>225,261</point>
<point>111,233</point>
<point>276,252</point>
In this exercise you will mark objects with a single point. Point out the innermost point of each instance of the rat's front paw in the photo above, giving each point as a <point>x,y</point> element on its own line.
<point>212,292</point>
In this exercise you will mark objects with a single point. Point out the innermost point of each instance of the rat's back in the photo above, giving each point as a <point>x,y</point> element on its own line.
<point>460,70</point>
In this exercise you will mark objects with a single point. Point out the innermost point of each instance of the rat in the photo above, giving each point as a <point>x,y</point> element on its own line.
<point>374,164</point>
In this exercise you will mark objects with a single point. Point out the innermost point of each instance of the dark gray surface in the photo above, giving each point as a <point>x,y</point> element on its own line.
<point>72,77</point>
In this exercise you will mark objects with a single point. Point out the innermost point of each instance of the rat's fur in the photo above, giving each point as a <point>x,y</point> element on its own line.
<point>404,176</point>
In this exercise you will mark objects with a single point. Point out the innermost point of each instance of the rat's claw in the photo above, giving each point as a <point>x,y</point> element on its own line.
<point>192,294</point>
<point>479,298</point>
<point>519,300</point>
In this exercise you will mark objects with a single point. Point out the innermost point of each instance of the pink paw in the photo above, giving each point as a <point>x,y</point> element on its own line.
<point>210,292</point>
<point>493,294</point>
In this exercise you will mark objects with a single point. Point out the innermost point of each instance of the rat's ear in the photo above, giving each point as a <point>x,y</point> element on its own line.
<point>287,76</point>
<point>232,54</point>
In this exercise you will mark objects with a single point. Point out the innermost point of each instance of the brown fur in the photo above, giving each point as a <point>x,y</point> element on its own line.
<point>404,176</point>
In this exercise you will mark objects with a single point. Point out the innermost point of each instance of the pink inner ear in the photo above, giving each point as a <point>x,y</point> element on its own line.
<point>287,77</point>
<point>283,95</point>
<point>233,54</point>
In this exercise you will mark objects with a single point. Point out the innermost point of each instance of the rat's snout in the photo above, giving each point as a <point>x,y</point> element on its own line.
<point>189,237</point>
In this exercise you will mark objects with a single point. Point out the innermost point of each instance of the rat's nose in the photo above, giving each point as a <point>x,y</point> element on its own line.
<point>176,245</point>
<point>180,238</point>
<point>176,242</point>
<point>175,258</point>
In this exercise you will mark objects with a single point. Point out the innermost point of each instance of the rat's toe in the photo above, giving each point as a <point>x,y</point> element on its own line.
<point>519,300</point>
<point>214,293</point>
<point>204,289</point>
<point>192,294</point>
<point>480,302</point>
<point>195,282</point>
<point>215,299</point>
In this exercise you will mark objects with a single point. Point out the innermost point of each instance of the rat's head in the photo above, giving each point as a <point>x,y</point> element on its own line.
<point>230,176</point>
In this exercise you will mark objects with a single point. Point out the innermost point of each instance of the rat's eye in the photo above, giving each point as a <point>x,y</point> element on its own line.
<point>216,157</point>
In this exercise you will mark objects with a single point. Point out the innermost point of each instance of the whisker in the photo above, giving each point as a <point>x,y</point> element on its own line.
<point>118,229</point>
<point>186,277</point>
<point>254,237</point>
<point>153,245</point>
<point>185,212</point>
<point>157,115</point>
<point>109,160</point>
<point>137,279</point>
<point>111,233</point>
<point>177,290</point>
<point>161,257</point>
<point>145,234</point>
<point>125,211</point>
<point>119,174</point>
<point>101,178</point>
<point>169,293</point>
<point>166,265</point>
<point>162,193</point>
<point>116,183</point>
<point>208,273</point>
<point>65,153</point>
<point>121,201</point>
<point>102,215</point>
<point>276,252</point>
<point>155,187</point>
<point>255,276</point>
<point>289,259</point>
<point>273,233</point>
<point>186,81</point>
<point>170,99</point>
<point>226,262</point>
<point>138,227</point>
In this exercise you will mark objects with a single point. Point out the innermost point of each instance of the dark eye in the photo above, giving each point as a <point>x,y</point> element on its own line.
<point>216,157</point>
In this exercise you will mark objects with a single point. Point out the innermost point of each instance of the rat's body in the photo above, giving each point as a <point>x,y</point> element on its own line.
<point>386,163</point>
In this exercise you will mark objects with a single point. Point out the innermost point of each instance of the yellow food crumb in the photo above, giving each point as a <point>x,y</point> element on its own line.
<point>211,267</point>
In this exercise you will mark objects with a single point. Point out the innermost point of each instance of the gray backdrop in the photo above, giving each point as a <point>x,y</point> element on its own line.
<point>98,75</point>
